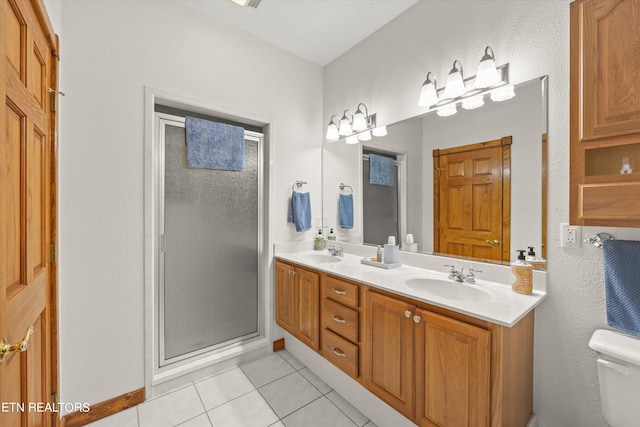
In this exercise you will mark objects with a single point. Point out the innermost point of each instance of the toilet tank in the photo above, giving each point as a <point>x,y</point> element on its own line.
<point>619,377</point>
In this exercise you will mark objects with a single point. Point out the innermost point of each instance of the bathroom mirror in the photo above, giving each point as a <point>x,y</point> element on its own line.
<point>517,126</point>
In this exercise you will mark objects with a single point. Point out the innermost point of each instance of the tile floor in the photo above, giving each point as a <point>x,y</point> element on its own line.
<point>274,391</point>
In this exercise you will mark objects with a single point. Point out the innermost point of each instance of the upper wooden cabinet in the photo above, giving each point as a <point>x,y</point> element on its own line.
<point>605,112</point>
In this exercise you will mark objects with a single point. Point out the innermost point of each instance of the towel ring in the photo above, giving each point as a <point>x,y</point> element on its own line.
<point>596,240</point>
<point>343,186</point>
<point>298,183</point>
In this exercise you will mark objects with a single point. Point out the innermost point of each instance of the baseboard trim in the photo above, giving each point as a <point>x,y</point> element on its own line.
<point>278,345</point>
<point>104,409</point>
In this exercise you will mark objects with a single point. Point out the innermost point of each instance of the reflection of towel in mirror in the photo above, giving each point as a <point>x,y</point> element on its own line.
<point>212,145</point>
<point>622,284</point>
<point>345,209</point>
<point>380,170</point>
<point>300,211</point>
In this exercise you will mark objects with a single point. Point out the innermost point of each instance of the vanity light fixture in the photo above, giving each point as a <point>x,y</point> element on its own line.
<point>332,129</point>
<point>354,127</point>
<point>454,87</point>
<point>429,92</point>
<point>503,93</point>
<point>487,74</point>
<point>345,124</point>
<point>447,110</point>
<point>473,102</point>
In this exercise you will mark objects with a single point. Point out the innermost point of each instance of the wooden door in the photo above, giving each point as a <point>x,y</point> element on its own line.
<point>308,309</point>
<point>27,160</point>
<point>452,372</point>
<point>388,364</point>
<point>472,200</point>
<point>286,297</point>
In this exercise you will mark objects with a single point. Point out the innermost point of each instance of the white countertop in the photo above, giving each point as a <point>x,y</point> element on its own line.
<point>491,301</point>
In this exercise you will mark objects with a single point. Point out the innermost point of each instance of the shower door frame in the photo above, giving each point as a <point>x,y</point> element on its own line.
<point>160,379</point>
<point>163,120</point>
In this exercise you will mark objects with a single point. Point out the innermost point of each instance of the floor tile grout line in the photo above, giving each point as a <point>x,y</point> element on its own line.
<point>206,412</point>
<point>345,414</point>
<point>303,406</point>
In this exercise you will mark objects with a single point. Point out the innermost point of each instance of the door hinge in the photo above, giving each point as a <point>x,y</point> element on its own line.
<point>52,253</point>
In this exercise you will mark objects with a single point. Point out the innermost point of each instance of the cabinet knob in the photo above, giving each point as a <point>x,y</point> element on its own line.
<point>417,318</point>
<point>407,314</point>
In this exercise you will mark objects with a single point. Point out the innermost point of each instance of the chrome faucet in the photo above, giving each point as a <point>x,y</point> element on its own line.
<point>336,250</point>
<point>459,276</point>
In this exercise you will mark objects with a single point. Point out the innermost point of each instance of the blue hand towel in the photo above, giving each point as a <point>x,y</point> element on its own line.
<point>380,170</point>
<point>345,210</point>
<point>212,145</point>
<point>300,211</point>
<point>622,284</point>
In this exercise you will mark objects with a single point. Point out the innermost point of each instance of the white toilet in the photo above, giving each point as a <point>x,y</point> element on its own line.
<point>619,377</point>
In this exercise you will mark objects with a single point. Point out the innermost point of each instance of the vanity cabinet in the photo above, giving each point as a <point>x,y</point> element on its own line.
<point>449,383</point>
<point>340,335</point>
<point>605,113</point>
<point>298,302</point>
<point>436,366</point>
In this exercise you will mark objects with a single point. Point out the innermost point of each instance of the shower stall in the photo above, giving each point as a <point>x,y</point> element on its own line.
<point>208,255</point>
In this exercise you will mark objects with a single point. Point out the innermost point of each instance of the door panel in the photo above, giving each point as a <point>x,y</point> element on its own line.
<point>470,200</point>
<point>27,127</point>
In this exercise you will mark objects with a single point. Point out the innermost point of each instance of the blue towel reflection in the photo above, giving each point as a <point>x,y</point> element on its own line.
<point>381,170</point>
<point>622,284</point>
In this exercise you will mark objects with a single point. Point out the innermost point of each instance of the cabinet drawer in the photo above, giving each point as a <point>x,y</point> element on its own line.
<point>340,352</point>
<point>340,319</point>
<point>343,292</point>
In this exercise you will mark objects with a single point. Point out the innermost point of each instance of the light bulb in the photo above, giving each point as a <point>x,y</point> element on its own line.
<point>364,136</point>
<point>447,110</point>
<point>455,83</point>
<point>379,131</point>
<point>332,132</point>
<point>428,93</point>
<point>487,74</point>
<point>345,126</point>
<point>353,139</point>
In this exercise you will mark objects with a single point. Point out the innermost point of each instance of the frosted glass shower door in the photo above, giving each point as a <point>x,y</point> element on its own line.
<point>210,228</point>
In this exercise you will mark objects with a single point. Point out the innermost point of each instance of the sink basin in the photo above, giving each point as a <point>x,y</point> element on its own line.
<point>320,258</point>
<point>448,289</point>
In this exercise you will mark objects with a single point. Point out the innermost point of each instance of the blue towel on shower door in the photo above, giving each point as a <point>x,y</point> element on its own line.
<point>212,145</point>
<point>622,284</point>
<point>300,211</point>
<point>345,210</point>
<point>381,170</point>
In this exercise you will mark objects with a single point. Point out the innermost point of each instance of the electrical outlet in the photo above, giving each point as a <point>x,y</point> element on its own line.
<point>570,236</point>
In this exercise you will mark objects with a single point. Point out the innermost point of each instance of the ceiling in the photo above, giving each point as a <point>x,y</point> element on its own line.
<point>316,30</point>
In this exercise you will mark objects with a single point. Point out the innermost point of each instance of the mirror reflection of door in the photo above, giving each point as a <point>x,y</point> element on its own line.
<point>380,204</point>
<point>472,200</point>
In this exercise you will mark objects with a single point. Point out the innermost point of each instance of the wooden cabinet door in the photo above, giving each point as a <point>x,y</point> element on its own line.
<point>452,372</point>
<point>27,161</point>
<point>609,60</point>
<point>286,297</point>
<point>308,307</point>
<point>388,365</point>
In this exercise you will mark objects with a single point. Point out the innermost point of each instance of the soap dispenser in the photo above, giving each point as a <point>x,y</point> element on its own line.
<point>522,275</point>
<point>319,242</point>
<point>332,235</point>
<point>536,263</point>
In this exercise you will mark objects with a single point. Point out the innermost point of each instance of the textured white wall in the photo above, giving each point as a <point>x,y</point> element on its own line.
<point>111,50</point>
<point>386,71</point>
